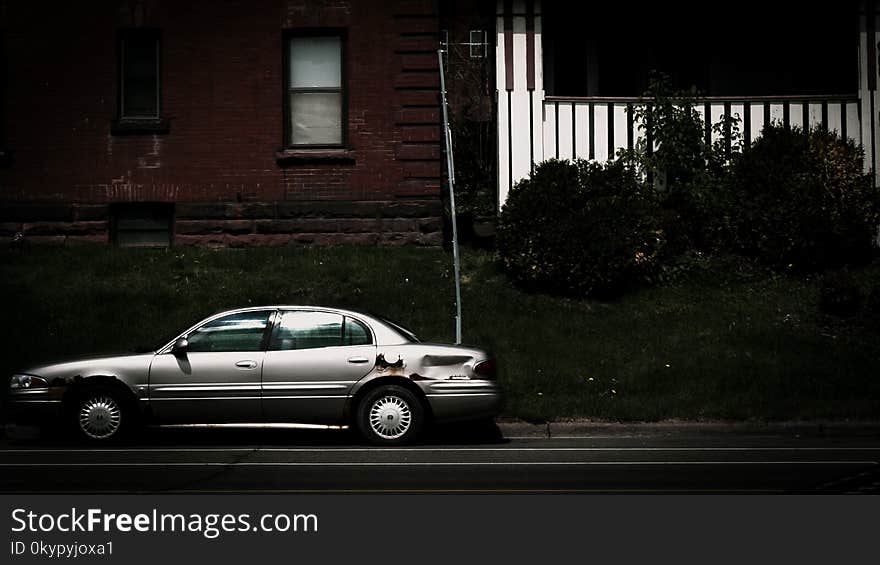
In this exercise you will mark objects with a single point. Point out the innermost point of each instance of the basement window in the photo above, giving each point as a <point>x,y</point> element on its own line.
<point>141,224</point>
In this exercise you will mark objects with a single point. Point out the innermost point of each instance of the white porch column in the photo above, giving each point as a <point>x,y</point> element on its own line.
<point>519,82</point>
<point>868,70</point>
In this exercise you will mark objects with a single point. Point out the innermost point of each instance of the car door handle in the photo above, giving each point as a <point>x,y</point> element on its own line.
<point>246,364</point>
<point>358,360</point>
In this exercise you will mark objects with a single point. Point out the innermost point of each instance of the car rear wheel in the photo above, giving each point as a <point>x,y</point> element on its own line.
<point>390,415</point>
<point>100,415</point>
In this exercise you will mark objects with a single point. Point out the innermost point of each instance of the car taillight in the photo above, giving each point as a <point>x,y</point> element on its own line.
<point>486,369</point>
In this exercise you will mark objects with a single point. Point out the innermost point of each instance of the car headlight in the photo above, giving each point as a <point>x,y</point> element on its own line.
<point>23,382</point>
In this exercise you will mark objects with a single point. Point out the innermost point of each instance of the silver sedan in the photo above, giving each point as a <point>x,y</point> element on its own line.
<point>291,364</point>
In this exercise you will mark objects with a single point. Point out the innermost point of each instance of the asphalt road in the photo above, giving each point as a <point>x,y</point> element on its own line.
<point>451,460</point>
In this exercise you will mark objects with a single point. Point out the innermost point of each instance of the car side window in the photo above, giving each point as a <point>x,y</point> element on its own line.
<point>356,333</point>
<point>236,332</point>
<point>307,330</point>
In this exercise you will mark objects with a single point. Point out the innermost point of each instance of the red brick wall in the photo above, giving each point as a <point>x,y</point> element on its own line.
<point>222,95</point>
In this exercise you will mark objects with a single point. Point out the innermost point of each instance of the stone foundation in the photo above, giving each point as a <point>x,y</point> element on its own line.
<point>221,224</point>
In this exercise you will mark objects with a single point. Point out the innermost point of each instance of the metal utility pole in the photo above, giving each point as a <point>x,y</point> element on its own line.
<point>450,165</point>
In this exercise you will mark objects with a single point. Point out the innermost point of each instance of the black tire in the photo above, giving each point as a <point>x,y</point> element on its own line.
<point>101,414</point>
<point>390,415</point>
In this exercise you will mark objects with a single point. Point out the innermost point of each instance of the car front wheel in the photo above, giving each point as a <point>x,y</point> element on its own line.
<point>100,415</point>
<point>390,415</point>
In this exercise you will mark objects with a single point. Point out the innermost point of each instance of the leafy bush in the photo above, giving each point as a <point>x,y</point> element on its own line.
<point>840,294</point>
<point>802,200</point>
<point>685,167</point>
<point>698,217</point>
<point>474,150</point>
<point>871,309</point>
<point>580,228</point>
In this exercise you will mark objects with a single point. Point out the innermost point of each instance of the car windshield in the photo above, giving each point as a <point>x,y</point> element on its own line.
<point>154,346</point>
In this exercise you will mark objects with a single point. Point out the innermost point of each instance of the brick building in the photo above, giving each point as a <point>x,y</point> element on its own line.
<point>221,123</point>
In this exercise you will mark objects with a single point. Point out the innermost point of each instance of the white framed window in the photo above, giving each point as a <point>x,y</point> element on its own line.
<point>315,112</point>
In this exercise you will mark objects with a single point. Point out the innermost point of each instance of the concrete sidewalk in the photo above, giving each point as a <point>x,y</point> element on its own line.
<point>588,428</point>
<point>576,428</point>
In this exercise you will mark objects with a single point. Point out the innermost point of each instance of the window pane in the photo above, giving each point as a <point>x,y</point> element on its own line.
<point>238,332</point>
<point>356,333</point>
<point>139,74</point>
<point>316,62</point>
<point>315,118</point>
<point>308,330</point>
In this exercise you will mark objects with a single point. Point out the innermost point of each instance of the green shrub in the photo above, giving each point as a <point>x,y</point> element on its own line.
<point>801,200</point>
<point>580,228</point>
<point>474,176</point>
<point>871,309</point>
<point>686,167</point>
<point>840,294</point>
<point>698,217</point>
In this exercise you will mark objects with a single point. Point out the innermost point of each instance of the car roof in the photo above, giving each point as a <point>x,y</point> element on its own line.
<point>292,307</point>
<point>386,332</point>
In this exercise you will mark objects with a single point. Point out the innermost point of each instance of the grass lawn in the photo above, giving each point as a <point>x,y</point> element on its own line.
<point>728,346</point>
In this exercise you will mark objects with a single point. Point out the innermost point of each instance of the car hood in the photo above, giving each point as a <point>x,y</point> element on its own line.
<point>92,365</point>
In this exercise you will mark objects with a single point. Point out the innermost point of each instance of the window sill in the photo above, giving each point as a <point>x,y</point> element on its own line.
<point>304,156</point>
<point>134,126</point>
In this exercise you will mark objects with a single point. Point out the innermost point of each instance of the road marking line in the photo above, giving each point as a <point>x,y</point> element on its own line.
<point>406,491</point>
<point>544,436</point>
<point>643,435</point>
<point>480,490</point>
<point>135,450</point>
<point>423,449</point>
<point>424,463</point>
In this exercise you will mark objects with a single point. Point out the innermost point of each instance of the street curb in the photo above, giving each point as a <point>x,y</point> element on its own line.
<point>581,428</point>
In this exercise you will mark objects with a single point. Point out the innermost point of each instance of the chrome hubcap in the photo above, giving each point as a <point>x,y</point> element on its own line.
<point>99,417</point>
<point>390,417</point>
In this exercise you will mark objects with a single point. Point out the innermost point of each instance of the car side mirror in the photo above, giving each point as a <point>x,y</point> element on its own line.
<point>180,346</point>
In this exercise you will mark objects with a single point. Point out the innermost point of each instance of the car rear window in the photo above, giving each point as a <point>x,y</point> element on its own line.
<point>408,335</point>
